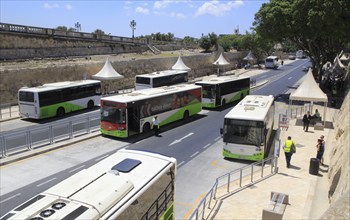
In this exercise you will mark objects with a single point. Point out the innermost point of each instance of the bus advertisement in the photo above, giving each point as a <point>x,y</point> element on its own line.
<point>129,184</point>
<point>56,99</point>
<point>219,91</point>
<point>160,78</point>
<point>129,114</point>
<point>248,128</point>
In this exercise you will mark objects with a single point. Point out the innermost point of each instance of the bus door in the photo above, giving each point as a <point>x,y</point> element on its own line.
<point>133,120</point>
<point>217,95</point>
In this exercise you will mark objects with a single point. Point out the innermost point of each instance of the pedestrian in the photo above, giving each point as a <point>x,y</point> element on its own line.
<point>320,149</point>
<point>289,148</point>
<point>155,123</point>
<point>306,121</point>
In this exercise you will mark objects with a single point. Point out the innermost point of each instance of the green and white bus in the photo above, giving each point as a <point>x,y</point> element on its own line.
<point>132,113</point>
<point>248,128</point>
<point>129,184</point>
<point>219,91</point>
<point>160,78</point>
<point>56,99</point>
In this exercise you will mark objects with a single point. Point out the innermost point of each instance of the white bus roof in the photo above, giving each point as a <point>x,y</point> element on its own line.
<point>252,107</point>
<point>161,73</point>
<point>57,85</point>
<point>150,93</point>
<point>104,187</point>
<point>272,57</point>
<point>213,80</point>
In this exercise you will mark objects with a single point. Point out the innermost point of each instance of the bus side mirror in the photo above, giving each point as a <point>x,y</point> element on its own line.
<point>221,131</point>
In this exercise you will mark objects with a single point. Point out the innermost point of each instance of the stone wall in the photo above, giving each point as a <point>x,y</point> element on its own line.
<point>33,74</point>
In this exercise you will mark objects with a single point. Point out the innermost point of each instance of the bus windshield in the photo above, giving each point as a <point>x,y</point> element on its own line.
<point>244,132</point>
<point>112,114</point>
<point>208,91</point>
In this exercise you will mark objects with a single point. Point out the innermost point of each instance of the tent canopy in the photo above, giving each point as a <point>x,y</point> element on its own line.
<point>221,61</point>
<point>107,72</point>
<point>179,65</point>
<point>249,57</point>
<point>309,90</point>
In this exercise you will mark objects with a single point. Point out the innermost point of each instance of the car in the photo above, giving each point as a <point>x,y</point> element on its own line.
<point>291,57</point>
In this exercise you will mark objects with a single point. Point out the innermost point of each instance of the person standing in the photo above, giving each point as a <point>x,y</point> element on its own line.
<point>324,148</point>
<point>306,121</point>
<point>288,150</point>
<point>155,125</point>
<point>320,151</point>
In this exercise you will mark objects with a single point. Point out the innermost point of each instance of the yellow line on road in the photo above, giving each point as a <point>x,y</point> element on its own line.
<point>189,212</point>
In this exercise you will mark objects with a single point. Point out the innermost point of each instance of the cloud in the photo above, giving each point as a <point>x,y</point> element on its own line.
<point>216,8</point>
<point>69,7</point>
<point>142,10</point>
<point>178,15</point>
<point>162,4</point>
<point>51,6</point>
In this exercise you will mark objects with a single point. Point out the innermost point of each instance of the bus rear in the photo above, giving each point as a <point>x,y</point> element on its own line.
<point>271,62</point>
<point>28,104</point>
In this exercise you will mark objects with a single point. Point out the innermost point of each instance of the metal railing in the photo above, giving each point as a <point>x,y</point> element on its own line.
<point>14,142</point>
<point>8,110</point>
<point>233,182</point>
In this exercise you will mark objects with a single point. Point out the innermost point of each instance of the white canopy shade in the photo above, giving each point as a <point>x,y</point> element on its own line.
<point>309,90</point>
<point>221,61</point>
<point>107,72</point>
<point>249,56</point>
<point>179,65</point>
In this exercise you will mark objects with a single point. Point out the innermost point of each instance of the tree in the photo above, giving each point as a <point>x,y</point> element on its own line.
<point>318,27</point>
<point>204,42</point>
<point>61,28</point>
<point>99,32</point>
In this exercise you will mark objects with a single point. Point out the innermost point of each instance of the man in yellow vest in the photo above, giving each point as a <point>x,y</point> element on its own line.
<point>288,152</point>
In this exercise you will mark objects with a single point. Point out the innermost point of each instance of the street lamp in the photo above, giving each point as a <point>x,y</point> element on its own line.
<point>77,27</point>
<point>133,27</point>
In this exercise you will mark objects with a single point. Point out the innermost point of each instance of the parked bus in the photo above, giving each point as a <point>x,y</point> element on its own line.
<point>129,184</point>
<point>248,128</point>
<point>56,99</point>
<point>132,113</point>
<point>271,62</point>
<point>218,91</point>
<point>160,78</point>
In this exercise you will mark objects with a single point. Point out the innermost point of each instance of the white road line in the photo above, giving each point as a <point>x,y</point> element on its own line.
<point>194,154</point>
<point>9,198</point>
<point>206,146</point>
<point>103,157</point>
<point>78,168</point>
<point>46,182</point>
<point>216,139</point>
<point>179,164</point>
<point>290,78</point>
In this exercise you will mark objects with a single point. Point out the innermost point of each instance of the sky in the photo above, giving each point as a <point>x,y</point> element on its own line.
<point>182,18</point>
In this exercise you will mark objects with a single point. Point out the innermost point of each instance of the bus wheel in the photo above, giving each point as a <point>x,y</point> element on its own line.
<point>223,102</point>
<point>60,112</point>
<point>90,104</point>
<point>146,128</point>
<point>186,115</point>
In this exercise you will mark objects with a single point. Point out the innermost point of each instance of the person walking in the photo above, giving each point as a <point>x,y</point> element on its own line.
<point>320,150</point>
<point>155,123</point>
<point>289,149</point>
<point>324,148</point>
<point>306,121</point>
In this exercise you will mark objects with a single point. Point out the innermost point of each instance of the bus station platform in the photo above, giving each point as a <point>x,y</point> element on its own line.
<point>308,193</point>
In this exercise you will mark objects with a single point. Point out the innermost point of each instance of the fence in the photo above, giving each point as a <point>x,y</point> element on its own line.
<point>44,135</point>
<point>8,110</point>
<point>235,181</point>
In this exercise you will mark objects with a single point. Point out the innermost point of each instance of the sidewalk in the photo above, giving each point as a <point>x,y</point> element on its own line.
<point>308,194</point>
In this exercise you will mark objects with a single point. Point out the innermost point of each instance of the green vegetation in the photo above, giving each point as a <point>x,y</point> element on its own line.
<point>318,27</point>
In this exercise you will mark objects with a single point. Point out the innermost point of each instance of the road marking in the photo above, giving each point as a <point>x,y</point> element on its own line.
<point>78,168</point>
<point>9,198</point>
<point>206,146</point>
<point>182,162</point>
<point>100,158</point>
<point>216,139</point>
<point>46,182</point>
<point>179,140</point>
<point>290,78</point>
<point>194,205</point>
<point>194,154</point>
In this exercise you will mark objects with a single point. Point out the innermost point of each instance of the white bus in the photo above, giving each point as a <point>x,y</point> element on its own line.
<point>160,78</point>
<point>271,62</point>
<point>219,91</point>
<point>132,113</point>
<point>248,128</point>
<point>129,184</point>
<point>300,54</point>
<point>56,99</point>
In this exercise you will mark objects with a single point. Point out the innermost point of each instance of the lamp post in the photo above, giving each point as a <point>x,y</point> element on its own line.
<point>77,27</point>
<point>133,27</point>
